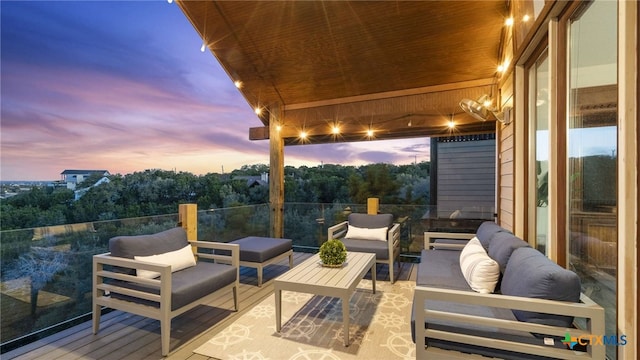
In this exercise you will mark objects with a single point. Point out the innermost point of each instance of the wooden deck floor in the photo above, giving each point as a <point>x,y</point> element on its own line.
<point>126,336</point>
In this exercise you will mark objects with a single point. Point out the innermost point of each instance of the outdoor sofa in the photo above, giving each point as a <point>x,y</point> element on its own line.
<point>524,311</point>
<point>157,276</point>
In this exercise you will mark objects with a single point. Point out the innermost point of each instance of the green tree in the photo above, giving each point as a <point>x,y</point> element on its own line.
<point>376,182</point>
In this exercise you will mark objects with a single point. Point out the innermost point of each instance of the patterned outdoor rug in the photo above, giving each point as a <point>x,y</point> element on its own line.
<point>312,327</point>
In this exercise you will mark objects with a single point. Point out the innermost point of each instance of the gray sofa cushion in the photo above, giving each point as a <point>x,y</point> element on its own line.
<point>531,274</point>
<point>146,245</point>
<point>187,285</point>
<point>380,248</point>
<point>441,269</point>
<point>502,246</point>
<point>370,221</point>
<point>486,231</point>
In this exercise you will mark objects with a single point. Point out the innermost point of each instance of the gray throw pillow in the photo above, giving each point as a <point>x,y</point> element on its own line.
<point>502,246</point>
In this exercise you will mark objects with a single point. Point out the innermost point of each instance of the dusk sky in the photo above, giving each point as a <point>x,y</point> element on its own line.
<point>123,86</point>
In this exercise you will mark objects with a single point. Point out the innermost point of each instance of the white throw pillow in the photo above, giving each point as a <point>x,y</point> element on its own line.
<point>178,259</point>
<point>480,271</point>
<point>366,234</point>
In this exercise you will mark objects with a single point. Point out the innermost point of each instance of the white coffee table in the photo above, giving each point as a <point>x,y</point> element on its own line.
<point>311,277</point>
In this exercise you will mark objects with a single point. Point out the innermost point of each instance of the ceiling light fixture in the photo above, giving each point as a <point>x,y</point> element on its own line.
<point>508,21</point>
<point>335,130</point>
<point>370,132</point>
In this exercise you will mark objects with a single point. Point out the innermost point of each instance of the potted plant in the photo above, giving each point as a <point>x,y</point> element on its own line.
<point>333,253</point>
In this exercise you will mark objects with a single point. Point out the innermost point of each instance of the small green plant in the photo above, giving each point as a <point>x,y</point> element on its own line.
<point>333,252</point>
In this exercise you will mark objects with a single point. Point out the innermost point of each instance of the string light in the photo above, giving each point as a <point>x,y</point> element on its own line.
<point>238,84</point>
<point>370,132</point>
<point>278,127</point>
<point>451,123</point>
<point>257,110</point>
<point>509,21</point>
<point>335,130</point>
<point>203,47</point>
<point>526,18</point>
<point>303,134</point>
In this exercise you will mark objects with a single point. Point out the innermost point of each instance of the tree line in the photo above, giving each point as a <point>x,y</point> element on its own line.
<point>157,192</point>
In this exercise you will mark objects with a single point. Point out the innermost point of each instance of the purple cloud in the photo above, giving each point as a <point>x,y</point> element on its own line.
<point>123,86</point>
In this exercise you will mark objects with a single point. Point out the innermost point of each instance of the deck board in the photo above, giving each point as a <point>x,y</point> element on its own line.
<point>126,336</point>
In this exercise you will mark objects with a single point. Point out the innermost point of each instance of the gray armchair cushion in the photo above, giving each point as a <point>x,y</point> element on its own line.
<point>187,285</point>
<point>146,245</point>
<point>486,231</point>
<point>531,274</point>
<point>370,221</point>
<point>380,248</point>
<point>502,246</point>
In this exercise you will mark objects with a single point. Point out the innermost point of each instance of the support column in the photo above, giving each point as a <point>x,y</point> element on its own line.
<point>373,206</point>
<point>276,174</point>
<point>628,300</point>
<point>188,220</point>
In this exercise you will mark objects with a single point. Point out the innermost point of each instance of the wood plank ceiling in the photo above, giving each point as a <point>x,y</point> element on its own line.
<point>397,68</point>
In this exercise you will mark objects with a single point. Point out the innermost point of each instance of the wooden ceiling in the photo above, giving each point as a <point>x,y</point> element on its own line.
<point>398,68</point>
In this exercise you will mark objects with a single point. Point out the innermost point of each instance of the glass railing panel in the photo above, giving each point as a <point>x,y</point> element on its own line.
<point>307,223</point>
<point>228,224</point>
<point>415,220</point>
<point>461,218</point>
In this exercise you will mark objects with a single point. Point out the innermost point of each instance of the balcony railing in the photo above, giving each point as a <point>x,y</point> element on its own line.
<point>45,279</point>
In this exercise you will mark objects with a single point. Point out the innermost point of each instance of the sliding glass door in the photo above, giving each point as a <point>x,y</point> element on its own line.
<point>592,154</point>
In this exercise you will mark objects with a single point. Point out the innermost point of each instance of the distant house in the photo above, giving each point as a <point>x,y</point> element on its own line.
<point>261,180</point>
<point>73,177</point>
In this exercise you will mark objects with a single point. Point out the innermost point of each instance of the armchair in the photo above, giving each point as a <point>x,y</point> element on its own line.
<point>371,234</point>
<point>157,276</point>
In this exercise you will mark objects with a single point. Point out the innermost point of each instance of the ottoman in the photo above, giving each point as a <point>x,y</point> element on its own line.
<point>258,252</point>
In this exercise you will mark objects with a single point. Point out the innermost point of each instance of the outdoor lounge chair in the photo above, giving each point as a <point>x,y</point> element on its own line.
<point>136,277</point>
<point>372,234</point>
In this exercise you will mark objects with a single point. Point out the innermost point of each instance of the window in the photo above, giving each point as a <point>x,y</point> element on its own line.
<point>539,173</point>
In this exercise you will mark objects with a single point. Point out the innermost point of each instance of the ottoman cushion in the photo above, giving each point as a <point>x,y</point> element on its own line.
<point>260,249</point>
